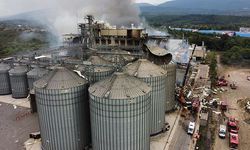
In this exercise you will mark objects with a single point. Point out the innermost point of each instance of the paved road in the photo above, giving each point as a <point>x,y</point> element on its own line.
<point>181,139</point>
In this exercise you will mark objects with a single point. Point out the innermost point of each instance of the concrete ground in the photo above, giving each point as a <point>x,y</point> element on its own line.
<point>16,123</point>
<point>24,102</point>
<point>231,96</point>
<point>162,141</point>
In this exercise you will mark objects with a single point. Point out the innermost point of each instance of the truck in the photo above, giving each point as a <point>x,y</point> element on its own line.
<point>233,140</point>
<point>232,125</point>
<point>223,106</point>
<point>222,131</point>
<point>196,105</point>
<point>191,127</point>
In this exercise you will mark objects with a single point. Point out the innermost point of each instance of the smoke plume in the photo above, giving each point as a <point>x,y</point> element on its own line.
<point>62,16</point>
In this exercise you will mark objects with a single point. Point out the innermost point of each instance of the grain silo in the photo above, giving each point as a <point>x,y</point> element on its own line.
<point>18,81</point>
<point>171,80</point>
<point>155,76</point>
<point>5,87</point>
<point>98,70</point>
<point>118,56</point>
<point>63,110</point>
<point>120,113</point>
<point>35,74</point>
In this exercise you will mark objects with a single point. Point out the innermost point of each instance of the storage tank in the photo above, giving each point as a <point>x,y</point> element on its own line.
<point>35,74</point>
<point>63,110</point>
<point>120,113</point>
<point>155,76</point>
<point>18,82</point>
<point>5,87</point>
<point>97,73</point>
<point>116,57</point>
<point>171,80</point>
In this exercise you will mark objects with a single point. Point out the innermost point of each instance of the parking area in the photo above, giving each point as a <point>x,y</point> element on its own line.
<point>231,96</point>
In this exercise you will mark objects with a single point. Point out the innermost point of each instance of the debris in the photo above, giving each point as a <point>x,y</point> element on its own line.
<point>15,107</point>
<point>217,112</point>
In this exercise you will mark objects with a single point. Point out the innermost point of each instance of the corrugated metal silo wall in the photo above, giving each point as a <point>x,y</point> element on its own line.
<point>158,96</point>
<point>31,80</point>
<point>5,87</point>
<point>19,85</point>
<point>171,80</point>
<point>64,118</point>
<point>98,76</point>
<point>120,124</point>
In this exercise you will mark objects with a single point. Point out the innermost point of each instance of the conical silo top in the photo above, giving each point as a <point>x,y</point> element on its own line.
<point>96,60</point>
<point>118,55</point>
<point>37,72</point>
<point>143,68</point>
<point>18,70</point>
<point>60,78</point>
<point>4,67</point>
<point>119,86</point>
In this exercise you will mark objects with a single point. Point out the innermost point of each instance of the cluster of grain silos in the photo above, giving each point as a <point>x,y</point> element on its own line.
<point>121,110</point>
<point>5,87</point>
<point>118,110</point>
<point>62,103</point>
<point>120,113</point>
<point>155,76</point>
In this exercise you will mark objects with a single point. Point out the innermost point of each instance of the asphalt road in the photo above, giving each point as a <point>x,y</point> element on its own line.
<point>181,139</point>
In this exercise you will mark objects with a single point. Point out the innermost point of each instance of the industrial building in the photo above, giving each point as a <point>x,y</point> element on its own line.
<point>103,36</point>
<point>111,91</point>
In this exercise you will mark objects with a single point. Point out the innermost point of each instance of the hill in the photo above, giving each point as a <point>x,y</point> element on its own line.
<point>209,4</point>
<point>218,7</point>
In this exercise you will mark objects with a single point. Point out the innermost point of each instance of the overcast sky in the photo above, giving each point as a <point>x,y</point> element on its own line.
<point>155,2</point>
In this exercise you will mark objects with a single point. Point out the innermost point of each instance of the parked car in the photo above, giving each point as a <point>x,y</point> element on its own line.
<point>191,127</point>
<point>222,131</point>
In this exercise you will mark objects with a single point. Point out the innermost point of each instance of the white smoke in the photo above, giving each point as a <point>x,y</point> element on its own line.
<point>63,15</point>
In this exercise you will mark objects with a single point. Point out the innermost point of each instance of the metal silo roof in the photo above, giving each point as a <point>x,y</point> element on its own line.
<point>37,72</point>
<point>117,57</point>
<point>143,68</point>
<point>120,86</point>
<point>4,67</point>
<point>60,78</point>
<point>96,60</point>
<point>18,70</point>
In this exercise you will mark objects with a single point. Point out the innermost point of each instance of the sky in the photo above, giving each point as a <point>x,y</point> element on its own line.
<point>155,2</point>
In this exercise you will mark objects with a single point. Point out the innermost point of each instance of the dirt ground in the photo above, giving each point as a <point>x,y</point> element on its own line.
<point>231,96</point>
<point>15,125</point>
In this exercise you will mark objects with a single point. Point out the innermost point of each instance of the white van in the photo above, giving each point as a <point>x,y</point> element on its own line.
<point>222,131</point>
<point>191,127</point>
